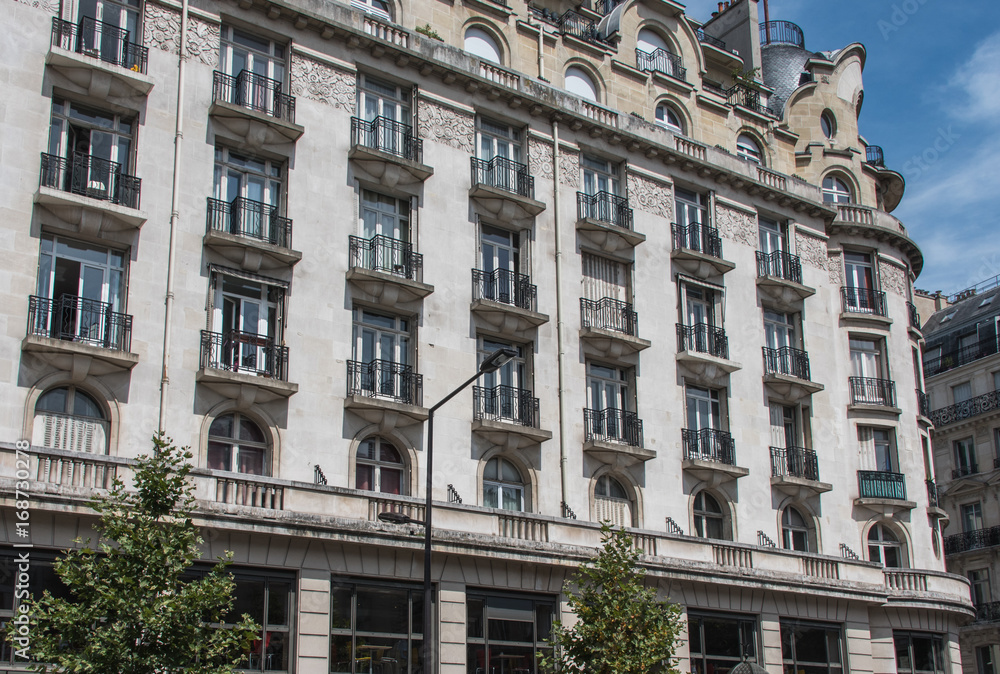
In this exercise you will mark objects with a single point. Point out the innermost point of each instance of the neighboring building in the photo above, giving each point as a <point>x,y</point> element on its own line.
<point>707,294</point>
<point>962,371</point>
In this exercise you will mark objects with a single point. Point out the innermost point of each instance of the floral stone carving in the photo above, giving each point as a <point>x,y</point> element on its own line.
<point>162,30</point>
<point>892,278</point>
<point>650,196</point>
<point>811,249</point>
<point>319,82</point>
<point>569,169</point>
<point>540,159</point>
<point>736,225</point>
<point>448,126</point>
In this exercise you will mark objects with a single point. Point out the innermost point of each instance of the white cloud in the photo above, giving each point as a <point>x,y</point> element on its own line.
<point>978,84</point>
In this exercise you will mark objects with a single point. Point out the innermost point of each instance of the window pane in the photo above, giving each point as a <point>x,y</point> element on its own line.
<point>341,658</point>
<point>391,480</point>
<point>277,603</point>
<point>474,617</point>
<point>340,607</point>
<point>722,637</point>
<point>382,610</point>
<point>251,460</point>
<point>219,456</point>
<point>249,600</point>
<point>365,477</point>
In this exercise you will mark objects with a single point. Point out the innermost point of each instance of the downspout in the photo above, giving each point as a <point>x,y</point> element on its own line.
<point>174,208</point>
<point>560,326</point>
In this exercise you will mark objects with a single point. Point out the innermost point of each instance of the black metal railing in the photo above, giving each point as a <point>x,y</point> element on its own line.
<point>787,360</point>
<point>388,255</point>
<point>964,471</point>
<point>385,379</point>
<point>708,39</point>
<point>781,32</point>
<point>504,174</point>
<point>874,156</point>
<point>702,238</point>
<point>923,403</point>
<point>961,356</point>
<point>77,319</point>
<point>780,264</point>
<point>504,286</point>
<point>609,314</point>
<point>256,92</point>
<point>575,24</point>
<point>972,540</point>
<point>505,403</point>
<point>249,218</point>
<point>911,310</point>
<point>988,612</point>
<point>91,176</point>
<point>100,40</point>
<point>863,300</point>
<point>966,409</point>
<point>749,98</point>
<point>604,7</point>
<point>661,61</point>
<point>933,494</point>
<point>604,207</point>
<point>871,391</point>
<point>613,425</point>
<point>387,135</point>
<point>246,352</point>
<point>794,462</point>
<point>703,338</point>
<point>709,444</point>
<point>881,484</point>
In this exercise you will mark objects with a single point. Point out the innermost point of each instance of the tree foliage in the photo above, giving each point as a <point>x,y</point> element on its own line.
<point>621,628</point>
<point>129,610</point>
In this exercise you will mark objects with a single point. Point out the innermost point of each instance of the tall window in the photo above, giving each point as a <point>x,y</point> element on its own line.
<point>965,457</point>
<point>512,374</point>
<point>68,418</point>
<point>504,632</point>
<point>779,330</point>
<point>972,516</point>
<point>579,82</point>
<point>607,387</point>
<point>884,547</point>
<point>105,36</point>
<point>503,486</point>
<point>881,443</point>
<point>251,191</point>
<point>720,641</point>
<point>599,175</point>
<point>391,104</point>
<point>709,517</point>
<point>747,149</point>
<point>815,648</point>
<point>919,653</point>
<point>860,278</point>
<point>262,60</point>
<point>497,139</point>
<point>961,392</point>
<point>703,408</point>
<point>237,444</point>
<point>611,502</point>
<point>985,657</point>
<point>605,277</point>
<point>979,581</point>
<point>247,314</point>
<point>794,530</point>
<point>375,627</point>
<point>500,262</point>
<point>773,236</point>
<point>481,44</point>
<point>836,190</point>
<point>381,337</point>
<point>380,467</point>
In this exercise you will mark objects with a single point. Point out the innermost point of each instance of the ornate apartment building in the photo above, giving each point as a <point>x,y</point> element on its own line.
<point>282,230</point>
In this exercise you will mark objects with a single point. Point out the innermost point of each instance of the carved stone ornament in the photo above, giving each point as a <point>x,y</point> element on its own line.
<point>811,250</point>
<point>162,30</point>
<point>319,82</point>
<point>650,196</point>
<point>569,169</point>
<point>47,6</point>
<point>540,159</point>
<point>736,225</point>
<point>448,126</point>
<point>836,269</point>
<point>893,278</point>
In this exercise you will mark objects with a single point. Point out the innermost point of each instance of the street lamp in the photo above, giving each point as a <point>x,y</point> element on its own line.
<point>494,362</point>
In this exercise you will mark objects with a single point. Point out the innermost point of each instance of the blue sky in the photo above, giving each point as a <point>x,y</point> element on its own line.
<point>932,102</point>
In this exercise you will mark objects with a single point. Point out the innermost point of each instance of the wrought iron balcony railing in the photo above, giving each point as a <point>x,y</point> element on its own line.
<point>923,403</point>
<point>863,300</point>
<point>964,471</point>
<point>788,361</point>
<point>961,356</point>
<point>255,92</point>
<point>746,97</point>
<point>781,32</point>
<point>604,7</point>
<point>604,207</point>
<point>708,39</point>
<point>251,219</point>
<point>77,319</point>
<point>579,26</point>
<point>609,314</point>
<point>613,425</point>
<point>503,174</point>
<point>709,444</point>
<point>780,264</point>
<point>967,409</point>
<point>703,338</point>
<point>794,462</point>
<point>245,352</point>
<point>972,540</point>
<point>661,61</point>
<point>505,403</point>
<point>869,391</point>
<point>387,255</point>
<point>504,286</point>
<point>874,156</point>
<point>387,135</point>
<point>933,494</point>
<point>914,317</point>
<point>100,40</point>
<point>385,379</point>
<point>90,176</point>
<point>881,484</point>
<point>988,612</point>
<point>702,238</point>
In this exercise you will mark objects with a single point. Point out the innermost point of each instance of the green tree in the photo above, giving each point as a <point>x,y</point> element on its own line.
<point>130,612</point>
<point>621,628</point>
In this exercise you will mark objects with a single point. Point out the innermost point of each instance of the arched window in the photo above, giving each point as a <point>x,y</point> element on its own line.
<point>748,149</point>
<point>67,418</point>
<point>611,502</point>
<point>795,530</point>
<point>481,44</point>
<point>580,83</point>
<point>836,191</point>
<point>649,41</point>
<point>884,547</point>
<point>709,518</point>
<point>668,117</point>
<point>502,485</point>
<point>379,467</point>
<point>237,444</point>
<point>828,124</point>
<point>379,8</point>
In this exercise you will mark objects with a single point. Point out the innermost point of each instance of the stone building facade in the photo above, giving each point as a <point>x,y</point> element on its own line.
<point>612,191</point>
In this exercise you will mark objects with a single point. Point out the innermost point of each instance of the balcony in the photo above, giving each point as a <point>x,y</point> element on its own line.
<point>250,233</point>
<point>698,250</point>
<point>610,327</point>
<point>740,95</point>
<point>386,152</point>
<point>787,373</point>
<point>988,612</point>
<point>254,109</point>
<point>74,189</point>
<point>387,270</point>
<point>506,301</point>
<point>504,188</point>
<point>977,539</point>
<point>606,219</point>
<point>781,32</point>
<point>923,405</point>
<point>244,365</point>
<point>99,60</point>
<point>864,305</point>
<point>988,402</point>
<point>914,323</point>
<point>385,393</point>
<point>873,394</point>
<point>661,61</point>
<point>705,38</point>
<point>935,502</point>
<point>710,455</point>
<point>964,471</point>
<point>779,278</point>
<point>703,353</point>
<point>961,356</point>
<point>882,491</point>
<point>874,156</point>
<point>795,471</point>
<point>72,332</point>
<point>614,437</point>
<point>507,416</point>
<point>576,25</point>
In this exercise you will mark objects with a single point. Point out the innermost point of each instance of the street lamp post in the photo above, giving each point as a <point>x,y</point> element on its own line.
<point>494,362</point>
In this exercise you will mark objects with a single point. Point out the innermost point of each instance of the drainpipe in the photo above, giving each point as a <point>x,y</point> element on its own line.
<point>174,207</point>
<point>541,34</point>
<point>560,325</point>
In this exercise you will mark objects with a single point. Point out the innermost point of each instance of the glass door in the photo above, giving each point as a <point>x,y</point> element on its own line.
<point>390,103</point>
<point>859,276</point>
<point>249,320</point>
<point>691,212</point>
<point>500,264</point>
<point>607,396</point>
<point>106,29</point>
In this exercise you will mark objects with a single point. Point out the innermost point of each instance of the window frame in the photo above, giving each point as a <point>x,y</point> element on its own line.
<point>702,515</point>
<point>836,189</point>
<point>238,443</point>
<point>484,640</point>
<point>412,637</point>
<point>749,149</point>
<point>62,122</point>
<point>246,167</point>
<point>378,464</point>
<point>965,455</point>
<point>504,487</point>
<point>792,535</point>
<point>748,634</point>
<point>275,56</point>
<point>91,424</point>
<point>813,667</point>
<point>939,667</point>
<point>882,544</point>
<point>664,118</point>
